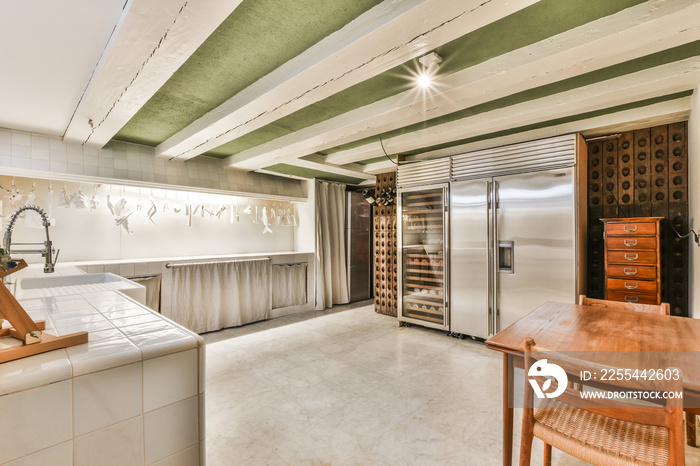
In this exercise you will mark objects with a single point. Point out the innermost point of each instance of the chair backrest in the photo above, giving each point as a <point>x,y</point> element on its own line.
<point>663,308</point>
<point>666,413</point>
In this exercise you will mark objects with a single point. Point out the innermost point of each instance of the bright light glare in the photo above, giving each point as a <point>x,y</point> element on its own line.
<point>424,80</point>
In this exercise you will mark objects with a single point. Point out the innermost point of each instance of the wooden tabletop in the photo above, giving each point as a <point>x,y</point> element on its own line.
<point>572,327</point>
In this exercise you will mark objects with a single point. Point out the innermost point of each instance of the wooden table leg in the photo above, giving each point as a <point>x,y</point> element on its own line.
<point>507,409</point>
<point>690,428</point>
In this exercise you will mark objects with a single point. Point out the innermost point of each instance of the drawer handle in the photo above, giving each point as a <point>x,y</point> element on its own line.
<point>632,299</point>
<point>631,257</point>
<point>630,271</point>
<point>631,285</point>
<point>629,228</point>
<point>630,243</point>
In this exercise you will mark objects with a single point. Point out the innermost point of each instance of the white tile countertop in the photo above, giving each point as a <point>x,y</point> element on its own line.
<point>146,361</point>
<point>248,255</point>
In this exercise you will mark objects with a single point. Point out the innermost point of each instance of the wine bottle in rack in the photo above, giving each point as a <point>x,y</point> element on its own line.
<point>369,197</point>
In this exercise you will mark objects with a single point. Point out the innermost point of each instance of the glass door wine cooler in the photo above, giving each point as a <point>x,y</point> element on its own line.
<point>423,256</point>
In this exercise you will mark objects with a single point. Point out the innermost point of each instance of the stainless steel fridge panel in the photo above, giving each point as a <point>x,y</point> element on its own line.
<point>536,219</point>
<point>359,241</point>
<point>470,284</point>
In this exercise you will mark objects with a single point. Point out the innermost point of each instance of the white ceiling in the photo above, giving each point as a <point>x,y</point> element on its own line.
<point>53,49</point>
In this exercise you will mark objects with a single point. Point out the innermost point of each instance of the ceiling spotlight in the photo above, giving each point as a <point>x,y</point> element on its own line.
<point>430,63</point>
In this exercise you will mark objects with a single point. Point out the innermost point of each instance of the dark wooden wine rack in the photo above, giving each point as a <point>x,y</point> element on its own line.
<point>642,173</point>
<point>385,251</point>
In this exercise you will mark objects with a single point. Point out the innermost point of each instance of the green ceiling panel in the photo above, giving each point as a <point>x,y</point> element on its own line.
<point>258,37</point>
<point>555,122</point>
<point>657,59</point>
<point>532,24</point>
<point>310,173</point>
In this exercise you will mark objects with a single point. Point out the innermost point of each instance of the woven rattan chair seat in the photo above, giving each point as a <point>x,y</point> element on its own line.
<point>598,439</point>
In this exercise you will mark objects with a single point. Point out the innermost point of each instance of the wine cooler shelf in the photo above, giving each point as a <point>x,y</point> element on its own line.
<point>422,257</point>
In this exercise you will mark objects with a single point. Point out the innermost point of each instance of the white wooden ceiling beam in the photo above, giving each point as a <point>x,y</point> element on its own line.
<point>316,162</point>
<point>151,41</point>
<point>627,35</point>
<point>662,80</point>
<point>662,113</point>
<point>270,172</point>
<point>384,37</point>
<point>376,168</point>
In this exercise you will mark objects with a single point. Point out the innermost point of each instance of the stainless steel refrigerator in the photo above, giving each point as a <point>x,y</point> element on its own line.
<point>358,224</point>
<point>488,236</point>
<point>513,247</point>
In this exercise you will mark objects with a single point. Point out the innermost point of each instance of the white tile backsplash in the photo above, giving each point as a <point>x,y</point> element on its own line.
<point>40,154</point>
<point>112,268</point>
<point>57,144</point>
<point>20,162</point>
<point>127,270</point>
<point>41,165</point>
<point>75,169</point>
<point>60,167</point>
<point>20,138</point>
<point>95,269</point>
<point>141,268</point>
<point>136,163</point>
<point>106,172</point>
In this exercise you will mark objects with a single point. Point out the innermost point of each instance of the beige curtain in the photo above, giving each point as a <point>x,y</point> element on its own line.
<point>152,285</point>
<point>288,285</point>
<point>331,273</point>
<point>212,296</point>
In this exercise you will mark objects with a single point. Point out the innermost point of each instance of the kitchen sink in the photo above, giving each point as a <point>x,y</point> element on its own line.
<point>62,285</point>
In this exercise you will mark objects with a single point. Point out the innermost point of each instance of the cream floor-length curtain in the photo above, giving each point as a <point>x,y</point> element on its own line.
<point>331,272</point>
<point>212,296</point>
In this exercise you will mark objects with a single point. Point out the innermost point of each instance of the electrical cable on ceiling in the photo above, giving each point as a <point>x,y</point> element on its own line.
<point>387,155</point>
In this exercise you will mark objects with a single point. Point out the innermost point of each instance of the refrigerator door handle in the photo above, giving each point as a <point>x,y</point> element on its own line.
<point>492,226</point>
<point>495,258</point>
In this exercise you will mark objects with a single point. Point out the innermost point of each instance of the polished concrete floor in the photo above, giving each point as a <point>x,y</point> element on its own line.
<point>348,386</point>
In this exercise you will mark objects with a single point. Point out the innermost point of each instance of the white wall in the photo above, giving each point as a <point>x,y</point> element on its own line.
<point>694,201</point>
<point>84,235</point>
<point>305,235</point>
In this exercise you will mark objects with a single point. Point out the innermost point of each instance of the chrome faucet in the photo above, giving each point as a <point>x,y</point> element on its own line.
<point>48,250</point>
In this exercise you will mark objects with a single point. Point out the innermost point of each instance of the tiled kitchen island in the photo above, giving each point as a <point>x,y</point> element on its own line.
<point>134,394</point>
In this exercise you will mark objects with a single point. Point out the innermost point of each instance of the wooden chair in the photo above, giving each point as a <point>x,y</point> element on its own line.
<point>599,431</point>
<point>663,308</point>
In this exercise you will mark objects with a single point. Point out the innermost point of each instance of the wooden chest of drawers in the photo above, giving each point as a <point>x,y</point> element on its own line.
<point>633,259</point>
